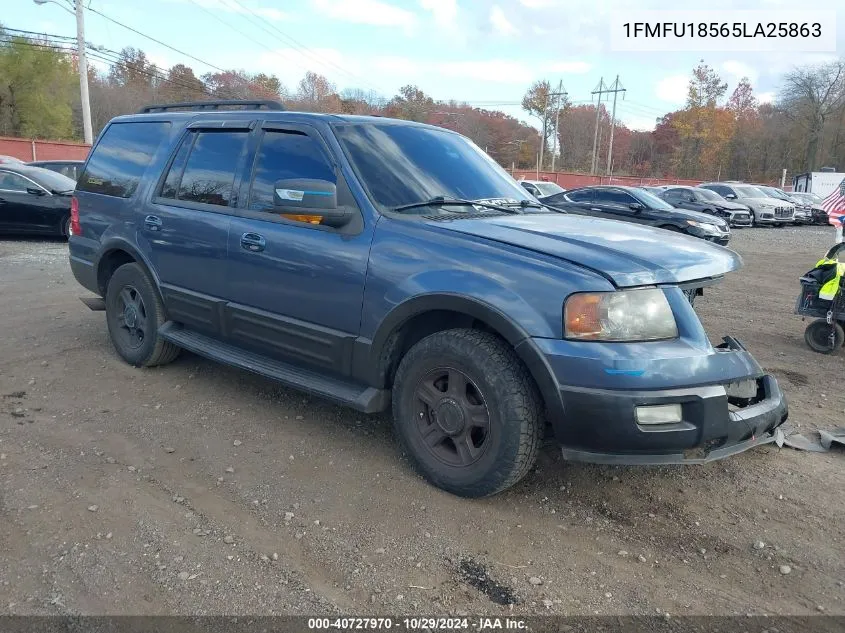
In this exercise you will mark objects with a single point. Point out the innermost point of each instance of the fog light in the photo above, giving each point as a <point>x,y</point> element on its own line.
<point>659,414</point>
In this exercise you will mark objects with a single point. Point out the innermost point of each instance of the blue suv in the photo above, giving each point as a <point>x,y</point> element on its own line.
<point>386,264</point>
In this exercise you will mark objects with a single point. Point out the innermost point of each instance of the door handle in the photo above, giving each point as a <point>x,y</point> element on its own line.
<point>594,209</point>
<point>253,242</point>
<point>152,222</point>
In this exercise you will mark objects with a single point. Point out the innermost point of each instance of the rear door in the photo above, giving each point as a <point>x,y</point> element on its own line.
<point>296,287</point>
<point>185,229</point>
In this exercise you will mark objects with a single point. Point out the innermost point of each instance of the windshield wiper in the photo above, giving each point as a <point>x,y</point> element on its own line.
<point>441,201</point>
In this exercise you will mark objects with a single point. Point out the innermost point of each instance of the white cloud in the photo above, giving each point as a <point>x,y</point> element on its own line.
<point>766,97</point>
<point>673,89</point>
<point>569,68</point>
<point>445,12</point>
<point>500,22</point>
<point>638,122</point>
<point>366,12</point>
<point>539,4</point>
<point>736,70</point>
<point>498,70</point>
<point>228,6</point>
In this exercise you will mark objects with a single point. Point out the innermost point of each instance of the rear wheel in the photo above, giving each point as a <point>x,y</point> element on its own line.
<point>467,412</point>
<point>66,227</point>
<point>134,314</point>
<point>824,338</point>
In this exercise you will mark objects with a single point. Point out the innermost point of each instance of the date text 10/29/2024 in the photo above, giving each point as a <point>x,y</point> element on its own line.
<point>417,624</point>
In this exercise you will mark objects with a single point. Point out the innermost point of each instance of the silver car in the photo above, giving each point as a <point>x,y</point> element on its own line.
<point>765,209</point>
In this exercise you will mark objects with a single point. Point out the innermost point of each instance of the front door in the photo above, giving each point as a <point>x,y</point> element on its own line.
<point>296,288</point>
<point>22,211</point>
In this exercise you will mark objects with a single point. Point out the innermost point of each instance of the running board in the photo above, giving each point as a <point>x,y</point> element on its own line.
<point>97,304</point>
<point>362,398</point>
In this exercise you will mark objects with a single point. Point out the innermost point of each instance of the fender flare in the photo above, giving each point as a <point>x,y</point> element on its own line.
<point>113,244</point>
<point>515,335</point>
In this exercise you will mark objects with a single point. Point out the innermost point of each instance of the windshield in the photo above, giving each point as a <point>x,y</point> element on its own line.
<point>709,195</point>
<point>548,188</point>
<point>807,197</point>
<point>750,192</point>
<point>51,180</point>
<point>775,193</point>
<point>652,201</point>
<point>403,164</point>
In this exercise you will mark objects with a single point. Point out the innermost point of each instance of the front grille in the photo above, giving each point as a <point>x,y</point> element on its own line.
<point>783,212</point>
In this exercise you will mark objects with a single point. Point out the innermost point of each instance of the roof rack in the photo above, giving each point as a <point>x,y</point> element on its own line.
<point>246,104</point>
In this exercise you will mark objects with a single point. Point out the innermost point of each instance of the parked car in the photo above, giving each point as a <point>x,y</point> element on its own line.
<point>386,264</point>
<point>34,200</point>
<point>802,214</point>
<point>10,160</point>
<point>765,210</point>
<point>813,204</point>
<point>69,168</point>
<point>706,201</point>
<point>632,204</point>
<point>541,188</point>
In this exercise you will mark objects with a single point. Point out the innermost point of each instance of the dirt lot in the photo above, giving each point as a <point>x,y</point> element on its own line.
<point>200,489</point>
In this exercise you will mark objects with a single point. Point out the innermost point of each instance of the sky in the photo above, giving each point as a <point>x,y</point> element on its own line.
<point>484,52</point>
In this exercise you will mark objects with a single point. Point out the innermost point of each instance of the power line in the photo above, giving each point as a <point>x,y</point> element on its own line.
<point>168,46</point>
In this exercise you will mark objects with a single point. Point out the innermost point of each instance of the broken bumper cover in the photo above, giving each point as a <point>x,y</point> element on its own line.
<point>716,421</point>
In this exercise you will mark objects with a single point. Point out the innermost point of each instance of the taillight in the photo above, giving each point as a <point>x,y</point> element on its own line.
<point>75,228</point>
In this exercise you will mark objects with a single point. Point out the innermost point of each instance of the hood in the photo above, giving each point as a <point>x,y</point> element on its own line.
<point>627,254</point>
<point>698,216</point>
<point>730,205</point>
<point>774,201</point>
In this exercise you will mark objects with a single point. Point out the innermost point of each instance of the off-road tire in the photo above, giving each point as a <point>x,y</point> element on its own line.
<point>153,350</point>
<point>513,402</point>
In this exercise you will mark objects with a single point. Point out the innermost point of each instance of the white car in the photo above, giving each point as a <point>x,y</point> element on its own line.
<point>541,188</point>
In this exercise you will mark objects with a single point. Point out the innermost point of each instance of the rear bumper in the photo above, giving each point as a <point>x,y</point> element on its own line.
<point>598,424</point>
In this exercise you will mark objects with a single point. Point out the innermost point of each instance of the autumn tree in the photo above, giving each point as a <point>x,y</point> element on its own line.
<point>538,102</point>
<point>411,103</point>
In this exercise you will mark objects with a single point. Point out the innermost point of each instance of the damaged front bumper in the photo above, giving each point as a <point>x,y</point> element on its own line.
<point>738,407</point>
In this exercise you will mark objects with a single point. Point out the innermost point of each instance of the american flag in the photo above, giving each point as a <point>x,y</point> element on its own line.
<point>834,205</point>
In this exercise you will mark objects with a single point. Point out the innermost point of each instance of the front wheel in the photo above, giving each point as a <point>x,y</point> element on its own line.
<point>824,338</point>
<point>467,412</point>
<point>134,314</point>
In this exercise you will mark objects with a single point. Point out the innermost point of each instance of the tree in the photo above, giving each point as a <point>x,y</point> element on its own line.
<point>537,102</point>
<point>36,90</point>
<point>411,103</point>
<point>810,95</point>
<point>317,94</point>
<point>705,87</point>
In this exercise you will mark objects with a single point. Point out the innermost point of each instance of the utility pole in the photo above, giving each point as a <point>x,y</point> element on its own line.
<point>615,88</point>
<point>87,131</point>
<point>560,93</point>
<point>598,90</point>
<point>543,139</point>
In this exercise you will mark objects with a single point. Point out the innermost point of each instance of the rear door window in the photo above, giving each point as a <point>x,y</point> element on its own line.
<point>579,196</point>
<point>121,157</point>
<point>204,168</point>
<point>611,196</point>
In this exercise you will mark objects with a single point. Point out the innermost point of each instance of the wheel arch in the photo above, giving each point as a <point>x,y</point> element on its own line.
<point>114,254</point>
<point>414,319</point>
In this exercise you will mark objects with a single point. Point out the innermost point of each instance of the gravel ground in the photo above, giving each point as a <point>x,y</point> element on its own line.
<point>199,489</point>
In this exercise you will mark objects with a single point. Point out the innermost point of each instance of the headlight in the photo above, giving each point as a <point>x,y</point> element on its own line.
<point>766,205</point>
<point>625,315</point>
<point>704,226</point>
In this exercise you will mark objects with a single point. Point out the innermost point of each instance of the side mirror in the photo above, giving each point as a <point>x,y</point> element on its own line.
<point>636,206</point>
<point>310,197</point>
<point>35,191</point>
<point>730,196</point>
